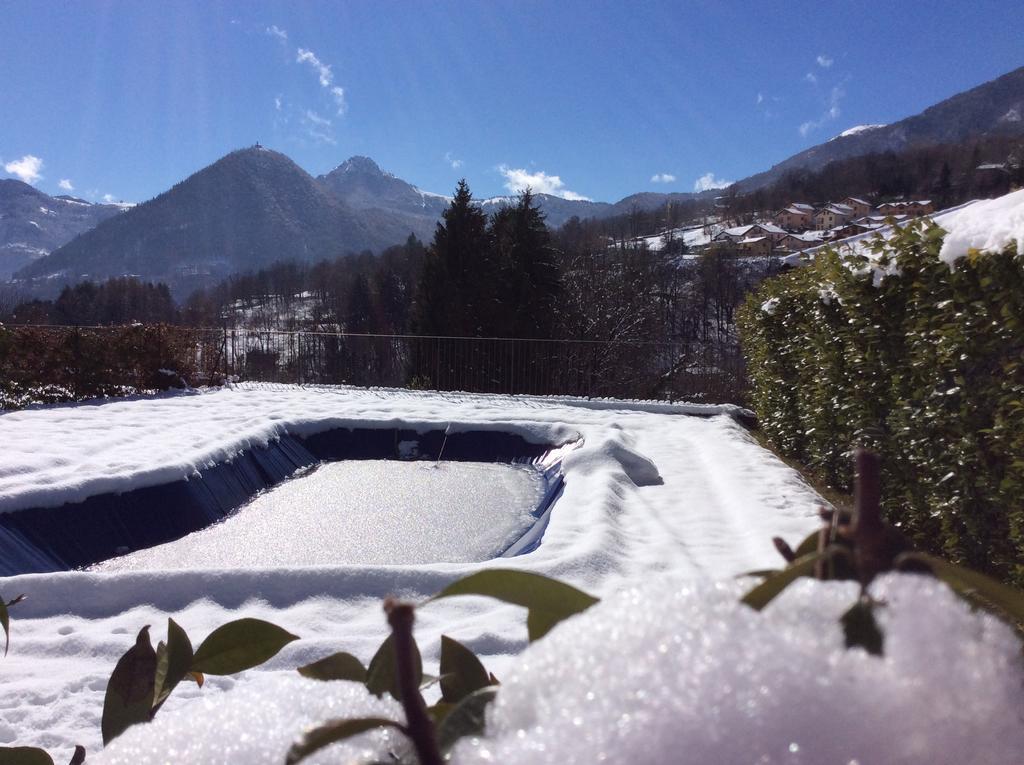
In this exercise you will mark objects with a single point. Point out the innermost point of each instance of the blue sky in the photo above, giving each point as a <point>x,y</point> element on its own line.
<point>596,99</point>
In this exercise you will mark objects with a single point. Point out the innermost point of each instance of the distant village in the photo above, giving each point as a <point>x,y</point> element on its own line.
<point>792,230</point>
<point>800,226</point>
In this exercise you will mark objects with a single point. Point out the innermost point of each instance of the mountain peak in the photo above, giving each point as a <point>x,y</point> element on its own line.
<point>361,165</point>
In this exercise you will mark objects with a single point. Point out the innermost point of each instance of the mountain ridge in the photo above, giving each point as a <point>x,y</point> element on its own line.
<point>33,224</point>
<point>255,206</point>
<point>991,107</point>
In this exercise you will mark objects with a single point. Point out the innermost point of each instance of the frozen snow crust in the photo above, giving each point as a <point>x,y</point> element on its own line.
<point>650,493</point>
<point>379,512</point>
<point>674,671</point>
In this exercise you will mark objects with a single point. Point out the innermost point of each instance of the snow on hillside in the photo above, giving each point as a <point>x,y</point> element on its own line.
<point>693,236</point>
<point>720,499</point>
<point>857,130</point>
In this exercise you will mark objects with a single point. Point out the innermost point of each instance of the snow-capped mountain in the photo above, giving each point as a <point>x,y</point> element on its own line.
<point>247,210</point>
<point>33,224</point>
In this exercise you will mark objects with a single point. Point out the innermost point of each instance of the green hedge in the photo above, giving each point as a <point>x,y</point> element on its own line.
<point>927,367</point>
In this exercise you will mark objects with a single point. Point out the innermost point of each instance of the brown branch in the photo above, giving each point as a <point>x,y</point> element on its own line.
<point>419,726</point>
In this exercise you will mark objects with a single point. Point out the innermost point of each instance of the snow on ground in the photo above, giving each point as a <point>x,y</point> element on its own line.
<point>692,236</point>
<point>363,511</point>
<point>720,500</point>
<point>694,670</point>
<point>697,672</point>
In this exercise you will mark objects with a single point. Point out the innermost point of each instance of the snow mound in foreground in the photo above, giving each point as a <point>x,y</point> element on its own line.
<point>255,724</point>
<point>672,669</point>
<point>675,669</point>
<point>989,226</point>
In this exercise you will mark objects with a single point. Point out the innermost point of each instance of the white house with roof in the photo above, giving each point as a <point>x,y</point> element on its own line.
<point>860,207</point>
<point>799,242</point>
<point>753,230</point>
<point>832,215</point>
<point>796,217</point>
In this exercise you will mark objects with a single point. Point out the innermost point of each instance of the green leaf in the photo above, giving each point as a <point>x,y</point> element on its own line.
<point>129,696</point>
<point>467,719</point>
<point>238,646</point>
<point>809,545</point>
<point>764,593</point>
<point>977,588</point>
<point>173,663</point>
<point>381,675</point>
<point>547,601</point>
<point>333,731</point>
<point>337,666</point>
<point>24,755</point>
<point>861,629</point>
<point>439,711</point>
<point>461,671</point>
<point>761,573</point>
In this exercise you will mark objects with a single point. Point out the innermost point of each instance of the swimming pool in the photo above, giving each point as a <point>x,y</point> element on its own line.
<point>387,495</point>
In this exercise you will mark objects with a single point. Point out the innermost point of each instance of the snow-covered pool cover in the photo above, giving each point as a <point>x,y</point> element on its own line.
<point>650,493</point>
<point>364,511</point>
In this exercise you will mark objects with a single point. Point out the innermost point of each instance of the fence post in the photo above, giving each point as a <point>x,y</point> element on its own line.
<point>512,377</point>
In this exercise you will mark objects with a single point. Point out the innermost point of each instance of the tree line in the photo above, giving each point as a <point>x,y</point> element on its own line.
<point>504,275</point>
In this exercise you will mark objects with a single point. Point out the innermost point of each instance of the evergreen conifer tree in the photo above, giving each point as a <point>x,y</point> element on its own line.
<point>531,284</point>
<point>457,287</point>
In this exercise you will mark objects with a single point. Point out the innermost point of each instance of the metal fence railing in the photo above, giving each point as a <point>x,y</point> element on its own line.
<point>490,365</point>
<point>138,356</point>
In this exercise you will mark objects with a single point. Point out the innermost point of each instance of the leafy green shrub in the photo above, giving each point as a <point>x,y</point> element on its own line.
<point>921,363</point>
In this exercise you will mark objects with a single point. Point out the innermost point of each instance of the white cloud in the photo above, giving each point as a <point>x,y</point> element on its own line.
<point>65,183</point>
<point>832,111</point>
<point>519,179</point>
<point>324,76</point>
<point>663,178</point>
<point>322,70</point>
<point>27,168</point>
<point>275,31</point>
<point>824,61</point>
<point>316,119</point>
<point>317,127</point>
<point>760,99</point>
<point>338,94</point>
<point>109,198</point>
<point>708,181</point>
<point>811,77</point>
<point>277,103</point>
<point>455,163</point>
